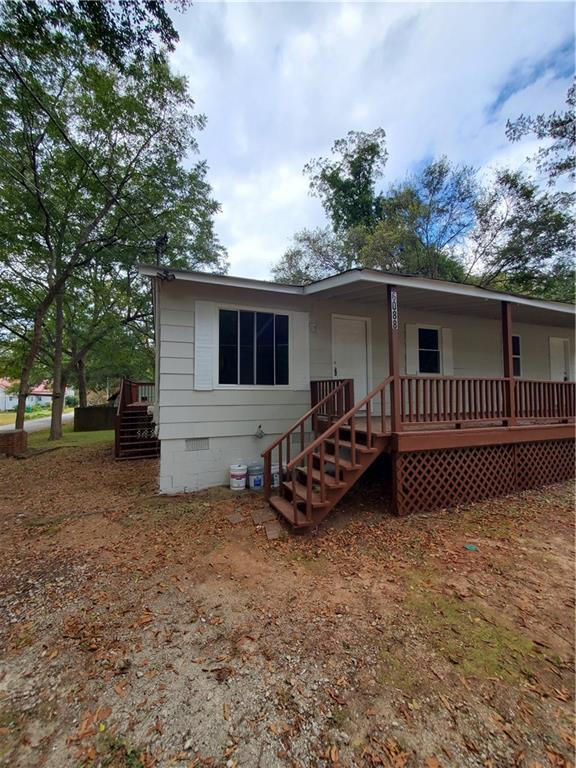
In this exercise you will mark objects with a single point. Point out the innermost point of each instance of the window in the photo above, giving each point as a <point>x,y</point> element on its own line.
<point>516,358</point>
<point>428,350</point>
<point>253,348</point>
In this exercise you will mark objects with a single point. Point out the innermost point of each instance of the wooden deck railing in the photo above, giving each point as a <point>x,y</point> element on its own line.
<point>131,392</point>
<point>545,399</point>
<point>329,405</point>
<point>372,412</point>
<point>332,407</point>
<point>442,399</point>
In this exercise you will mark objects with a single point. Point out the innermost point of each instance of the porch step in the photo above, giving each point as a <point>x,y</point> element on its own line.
<point>342,463</point>
<point>331,482</point>
<point>300,491</point>
<point>348,445</point>
<point>286,509</point>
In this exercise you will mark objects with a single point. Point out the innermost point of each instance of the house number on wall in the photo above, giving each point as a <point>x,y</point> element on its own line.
<point>394,309</point>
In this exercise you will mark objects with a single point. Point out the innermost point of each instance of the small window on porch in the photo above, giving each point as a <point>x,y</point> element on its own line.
<point>516,356</point>
<point>428,350</point>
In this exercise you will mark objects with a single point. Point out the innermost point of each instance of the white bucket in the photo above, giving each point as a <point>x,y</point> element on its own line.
<point>238,477</point>
<point>275,475</point>
<point>256,477</point>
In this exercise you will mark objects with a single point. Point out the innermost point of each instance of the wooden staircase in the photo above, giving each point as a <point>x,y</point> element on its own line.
<point>315,480</point>
<point>135,428</point>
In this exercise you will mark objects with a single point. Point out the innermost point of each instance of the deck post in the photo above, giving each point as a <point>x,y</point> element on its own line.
<point>508,364</point>
<point>394,358</point>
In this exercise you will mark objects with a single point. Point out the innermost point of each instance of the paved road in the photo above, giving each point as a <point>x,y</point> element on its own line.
<point>35,425</point>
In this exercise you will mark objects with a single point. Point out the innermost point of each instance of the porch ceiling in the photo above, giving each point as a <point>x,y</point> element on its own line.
<point>429,300</point>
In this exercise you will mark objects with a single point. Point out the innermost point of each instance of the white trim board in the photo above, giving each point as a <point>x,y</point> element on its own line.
<point>359,276</point>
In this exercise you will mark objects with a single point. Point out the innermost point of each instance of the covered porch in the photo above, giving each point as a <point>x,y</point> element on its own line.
<point>453,438</point>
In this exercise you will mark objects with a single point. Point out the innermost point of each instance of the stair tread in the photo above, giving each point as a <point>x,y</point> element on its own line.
<point>343,463</point>
<point>362,431</point>
<point>286,509</point>
<point>301,493</point>
<point>347,444</point>
<point>330,481</point>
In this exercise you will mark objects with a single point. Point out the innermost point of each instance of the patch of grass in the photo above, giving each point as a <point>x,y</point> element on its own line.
<point>316,564</point>
<point>10,729</point>
<point>115,752</point>
<point>70,438</point>
<point>9,417</point>
<point>397,670</point>
<point>47,526</point>
<point>478,644</point>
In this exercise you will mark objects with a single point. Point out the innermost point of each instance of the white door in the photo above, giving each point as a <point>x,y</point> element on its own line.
<point>350,352</point>
<point>559,369</point>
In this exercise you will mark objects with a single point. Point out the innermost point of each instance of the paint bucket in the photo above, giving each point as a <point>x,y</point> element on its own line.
<point>256,477</point>
<point>238,477</point>
<point>275,476</point>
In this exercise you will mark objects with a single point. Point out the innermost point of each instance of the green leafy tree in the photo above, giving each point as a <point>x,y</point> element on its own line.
<point>417,229</point>
<point>346,182</point>
<point>97,184</point>
<point>558,157</point>
<point>523,240</point>
<point>120,29</point>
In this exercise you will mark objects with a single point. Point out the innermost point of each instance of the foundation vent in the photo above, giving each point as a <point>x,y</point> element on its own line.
<point>197,443</point>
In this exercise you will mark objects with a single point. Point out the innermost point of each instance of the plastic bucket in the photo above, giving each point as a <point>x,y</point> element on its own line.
<point>256,477</point>
<point>275,475</point>
<point>238,477</point>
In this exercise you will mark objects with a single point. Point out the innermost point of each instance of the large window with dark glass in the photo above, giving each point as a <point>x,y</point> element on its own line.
<point>428,350</point>
<point>253,347</point>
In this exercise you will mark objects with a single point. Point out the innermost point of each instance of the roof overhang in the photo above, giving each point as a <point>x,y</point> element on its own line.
<point>360,284</point>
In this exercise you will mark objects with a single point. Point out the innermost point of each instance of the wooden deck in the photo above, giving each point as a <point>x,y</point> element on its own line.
<point>451,440</point>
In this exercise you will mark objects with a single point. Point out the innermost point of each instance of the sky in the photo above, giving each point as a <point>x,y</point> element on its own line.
<point>279,82</point>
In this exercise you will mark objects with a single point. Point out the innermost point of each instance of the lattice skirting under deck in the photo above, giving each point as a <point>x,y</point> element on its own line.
<point>427,480</point>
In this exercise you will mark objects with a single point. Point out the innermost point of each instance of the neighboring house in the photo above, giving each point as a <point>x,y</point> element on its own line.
<point>39,395</point>
<point>466,386</point>
<point>8,399</point>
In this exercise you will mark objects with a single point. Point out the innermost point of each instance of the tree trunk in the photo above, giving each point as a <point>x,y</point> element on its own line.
<point>28,364</point>
<point>82,388</point>
<point>57,377</point>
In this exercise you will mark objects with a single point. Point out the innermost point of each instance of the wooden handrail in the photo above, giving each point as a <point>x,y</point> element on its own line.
<point>311,412</point>
<point>128,394</point>
<point>342,423</point>
<point>335,395</point>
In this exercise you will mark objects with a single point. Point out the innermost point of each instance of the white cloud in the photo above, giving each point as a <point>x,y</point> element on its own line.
<point>280,81</point>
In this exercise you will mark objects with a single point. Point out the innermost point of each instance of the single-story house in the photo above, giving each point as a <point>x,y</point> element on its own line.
<point>8,399</point>
<point>41,394</point>
<point>470,391</point>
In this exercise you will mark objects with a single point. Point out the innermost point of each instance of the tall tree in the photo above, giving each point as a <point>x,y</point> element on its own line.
<point>437,207</point>
<point>106,173</point>
<point>120,30</point>
<point>346,182</point>
<point>558,157</point>
<point>415,228</point>
<point>524,238</point>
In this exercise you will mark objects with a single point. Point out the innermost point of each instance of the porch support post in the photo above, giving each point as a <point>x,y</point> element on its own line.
<point>508,364</point>
<point>394,358</point>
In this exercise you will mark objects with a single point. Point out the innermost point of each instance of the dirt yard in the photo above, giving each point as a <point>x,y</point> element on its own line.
<point>140,631</point>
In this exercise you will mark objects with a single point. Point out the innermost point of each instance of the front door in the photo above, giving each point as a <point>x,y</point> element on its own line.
<point>559,369</point>
<point>350,352</point>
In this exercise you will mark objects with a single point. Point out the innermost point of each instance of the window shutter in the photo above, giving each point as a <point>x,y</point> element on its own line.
<point>204,344</point>
<point>411,342</point>
<point>447,353</point>
<point>299,375</point>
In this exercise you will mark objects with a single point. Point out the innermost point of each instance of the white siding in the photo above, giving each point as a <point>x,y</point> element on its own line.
<point>229,417</point>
